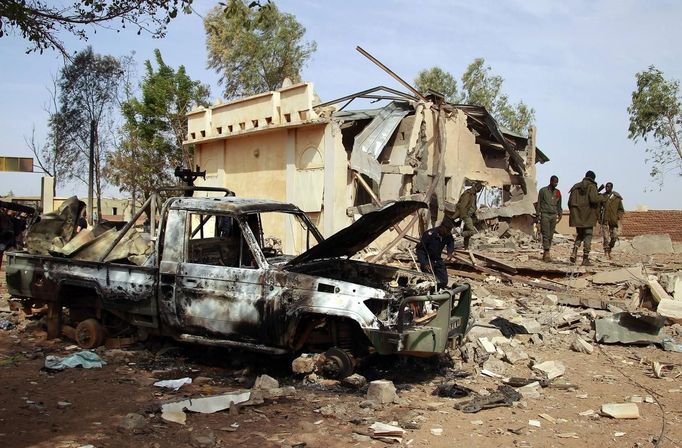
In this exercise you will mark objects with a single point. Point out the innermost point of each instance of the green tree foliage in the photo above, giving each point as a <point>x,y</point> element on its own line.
<point>254,48</point>
<point>655,113</point>
<point>435,78</point>
<point>88,90</point>
<point>480,87</point>
<point>155,126</point>
<point>41,21</point>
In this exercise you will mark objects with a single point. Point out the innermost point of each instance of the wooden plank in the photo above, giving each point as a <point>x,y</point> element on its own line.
<point>465,274</point>
<point>494,262</point>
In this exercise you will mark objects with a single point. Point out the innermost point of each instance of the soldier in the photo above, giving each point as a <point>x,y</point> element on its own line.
<point>549,214</point>
<point>430,249</point>
<point>583,205</point>
<point>466,211</point>
<point>611,212</point>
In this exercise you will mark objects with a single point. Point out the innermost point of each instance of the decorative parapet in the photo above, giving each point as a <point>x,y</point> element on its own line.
<point>287,106</point>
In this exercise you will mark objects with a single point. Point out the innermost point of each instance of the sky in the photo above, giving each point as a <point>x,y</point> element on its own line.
<point>574,62</point>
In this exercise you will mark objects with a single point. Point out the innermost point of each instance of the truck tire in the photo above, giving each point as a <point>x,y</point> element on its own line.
<point>90,333</point>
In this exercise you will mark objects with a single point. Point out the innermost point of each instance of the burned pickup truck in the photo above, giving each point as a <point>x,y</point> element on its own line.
<point>213,272</point>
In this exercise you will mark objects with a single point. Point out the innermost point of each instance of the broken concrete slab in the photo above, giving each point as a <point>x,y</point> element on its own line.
<point>514,356</point>
<point>581,346</point>
<point>671,310</point>
<point>550,369</point>
<point>382,391</point>
<point>630,274</point>
<point>672,282</point>
<point>488,346</point>
<point>550,299</point>
<point>657,291</point>
<point>653,244</point>
<point>620,410</point>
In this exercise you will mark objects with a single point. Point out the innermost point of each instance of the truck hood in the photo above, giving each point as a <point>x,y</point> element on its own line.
<point>347,242</point>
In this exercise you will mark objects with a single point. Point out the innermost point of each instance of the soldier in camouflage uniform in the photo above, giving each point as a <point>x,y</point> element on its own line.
<point>549,214</point>
<point>611,212</point>
<point>466,211</point>
<point>583,206</point>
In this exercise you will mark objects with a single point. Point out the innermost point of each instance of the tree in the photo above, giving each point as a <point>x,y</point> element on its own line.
<point>254,48</point>
<point>88,89</point>
<point>155,126</point>
<point>656,114</point>
<point>51,155</point>
<point>435,78</point>
<point>481,88</point>
<point>40,22</point>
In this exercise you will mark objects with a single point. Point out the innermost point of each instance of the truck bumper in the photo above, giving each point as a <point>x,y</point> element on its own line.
<point>449,323</point>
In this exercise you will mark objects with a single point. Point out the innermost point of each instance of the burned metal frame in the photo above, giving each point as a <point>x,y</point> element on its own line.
<point>152,204</point>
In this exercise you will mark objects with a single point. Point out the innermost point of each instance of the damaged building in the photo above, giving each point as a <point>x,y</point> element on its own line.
<point>337,164</point>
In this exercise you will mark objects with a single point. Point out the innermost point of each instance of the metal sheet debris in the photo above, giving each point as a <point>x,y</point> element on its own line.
<point>630,328</point>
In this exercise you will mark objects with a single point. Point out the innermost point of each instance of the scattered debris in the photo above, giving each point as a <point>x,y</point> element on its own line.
<point>504,396</point>
<point>266,382</point>
<point>620,410</point>
<point>355,381</point>
<point>303,364</point>
<point>84,358</point>
<point>550,369</point>
<point>581,346</point>
<point>387,433</point>
<point>173,384</point>
<point>534,423</point>
<point>6,324</point>
<point>452,390</point>
<point>206,405</point>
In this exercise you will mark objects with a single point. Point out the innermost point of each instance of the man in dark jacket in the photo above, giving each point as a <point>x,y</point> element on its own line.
<point>430,250</point>
<point>583,206</point>
<point>549,213</point>
<point>466,211</point>
<point>610,214</point>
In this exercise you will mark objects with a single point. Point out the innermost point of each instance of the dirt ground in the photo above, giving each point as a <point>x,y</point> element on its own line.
<point>80,407</point>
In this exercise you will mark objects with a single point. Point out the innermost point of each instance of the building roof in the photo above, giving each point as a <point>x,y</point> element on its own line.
<point>653,221</point>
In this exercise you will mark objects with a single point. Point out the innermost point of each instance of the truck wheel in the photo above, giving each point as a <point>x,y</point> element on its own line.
<point>89,333</point>
<point>339,363</point>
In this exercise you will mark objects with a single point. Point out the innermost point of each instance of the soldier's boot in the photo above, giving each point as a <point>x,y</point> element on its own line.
<point>466,242</point>
<point>608,254</point>
<point>586,260</point>
<point>546,257</point>
<point>574,254</point>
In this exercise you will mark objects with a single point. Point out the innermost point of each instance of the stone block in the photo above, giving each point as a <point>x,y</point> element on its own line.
<point>266,382</point>
<point>550,369</point>
<point>303,365</point>
<point>382,391</point>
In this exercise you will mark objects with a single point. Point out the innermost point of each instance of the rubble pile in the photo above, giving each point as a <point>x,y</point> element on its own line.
<point>541,362</point>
